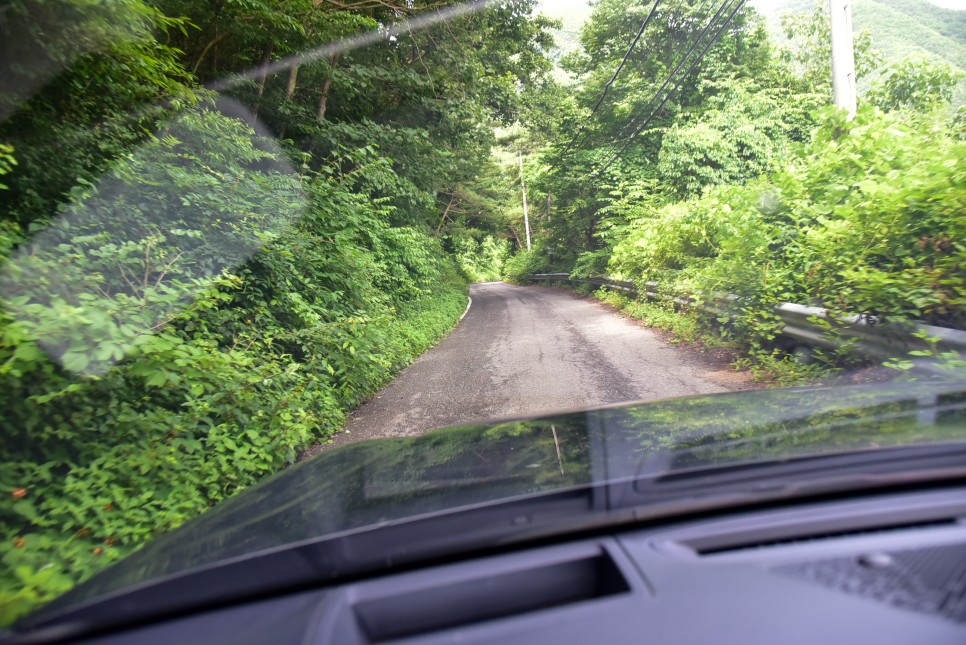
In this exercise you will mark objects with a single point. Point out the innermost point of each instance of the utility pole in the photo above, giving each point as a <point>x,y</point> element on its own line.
<point>526,216</point>
<point>843,55</point>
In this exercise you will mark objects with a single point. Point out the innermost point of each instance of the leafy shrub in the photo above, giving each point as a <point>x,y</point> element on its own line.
<point>526,263</point>
<point>916,84</point>
<point>229,316</point>
<point>867,218</point>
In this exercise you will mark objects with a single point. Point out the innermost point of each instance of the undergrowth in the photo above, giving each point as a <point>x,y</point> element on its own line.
<point>155,361</point>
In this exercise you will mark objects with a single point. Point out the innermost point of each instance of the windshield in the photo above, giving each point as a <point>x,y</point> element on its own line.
<point>393,502</point>
<point>235,235</point>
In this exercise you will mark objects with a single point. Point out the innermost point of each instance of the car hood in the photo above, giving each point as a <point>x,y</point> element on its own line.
<point>384,502</point>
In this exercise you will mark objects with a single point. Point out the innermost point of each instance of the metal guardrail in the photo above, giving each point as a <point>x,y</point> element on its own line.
<point>868,336</point>
<point>806,326</point>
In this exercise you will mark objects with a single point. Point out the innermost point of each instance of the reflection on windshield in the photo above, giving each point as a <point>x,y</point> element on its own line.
<point>163,229</point>
<point>373,485</point>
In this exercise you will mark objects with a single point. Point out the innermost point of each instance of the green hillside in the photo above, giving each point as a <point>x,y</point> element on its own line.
<point>908,27</point>
<point>898,28</point>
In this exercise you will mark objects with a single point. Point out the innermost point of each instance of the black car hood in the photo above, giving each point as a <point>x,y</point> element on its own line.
<point>380,503</point>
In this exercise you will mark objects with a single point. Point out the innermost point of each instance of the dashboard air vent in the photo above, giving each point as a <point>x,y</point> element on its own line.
<point>930,580</point>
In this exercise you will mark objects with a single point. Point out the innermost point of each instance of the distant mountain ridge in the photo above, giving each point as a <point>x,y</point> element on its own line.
<point>899,28</point>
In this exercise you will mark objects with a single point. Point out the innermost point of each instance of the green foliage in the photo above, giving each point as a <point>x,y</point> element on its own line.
<point>223,377</point>
<point>881,218</point>
<point>477,216</point>
<point>745,132</point>
<point>483,261</point>
<point>7,162</point>
<point>915,84</point>
<point>661,315</point>
<point>951,360</point>
<point>186,305</point>
<point>525,263</point>
<point>866,219</point>
<point>83,82</point>
<point>779,368</point>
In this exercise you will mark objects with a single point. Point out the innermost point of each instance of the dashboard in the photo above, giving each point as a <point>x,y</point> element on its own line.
<point>889,568</point>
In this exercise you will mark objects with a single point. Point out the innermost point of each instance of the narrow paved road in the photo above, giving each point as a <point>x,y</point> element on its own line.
<point>528,350</point>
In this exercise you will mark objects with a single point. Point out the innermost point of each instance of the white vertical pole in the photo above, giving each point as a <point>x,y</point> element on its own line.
<point>843,55</point>
<point>526,215</point>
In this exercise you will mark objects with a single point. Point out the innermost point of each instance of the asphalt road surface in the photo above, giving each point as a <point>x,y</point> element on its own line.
<point>523,351</point>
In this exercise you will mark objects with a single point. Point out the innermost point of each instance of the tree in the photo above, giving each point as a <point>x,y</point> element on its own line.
<point>915,84</point>
<point>747,131</point>
<point>628,128</point>
<point>82,83</point>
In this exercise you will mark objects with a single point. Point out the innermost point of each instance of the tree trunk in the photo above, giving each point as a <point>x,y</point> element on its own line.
<point>516,236</point>
<point>324,99</point>
<point>452,200</point>
<point>262,79</point>
<point>263,68</point>
<point>293,75</point>
<point>204,52</point>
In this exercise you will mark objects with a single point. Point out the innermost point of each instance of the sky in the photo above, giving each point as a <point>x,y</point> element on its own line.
<point>947,4</point>
<point>556,7</point>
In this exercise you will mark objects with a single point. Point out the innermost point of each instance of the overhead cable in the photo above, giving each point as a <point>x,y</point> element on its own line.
<point>620,67</point>
<point>601,154</point>
<point>681,63</point>
<point>640,129</point>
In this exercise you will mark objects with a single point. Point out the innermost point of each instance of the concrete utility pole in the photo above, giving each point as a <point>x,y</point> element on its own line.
<point>526,215</point>
<point>843,55</point>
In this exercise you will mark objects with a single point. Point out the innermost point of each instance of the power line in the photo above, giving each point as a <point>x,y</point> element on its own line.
<point>601,154</point>
<point>684,59</point>
<point>620,67</point>
<point>713,40</point>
